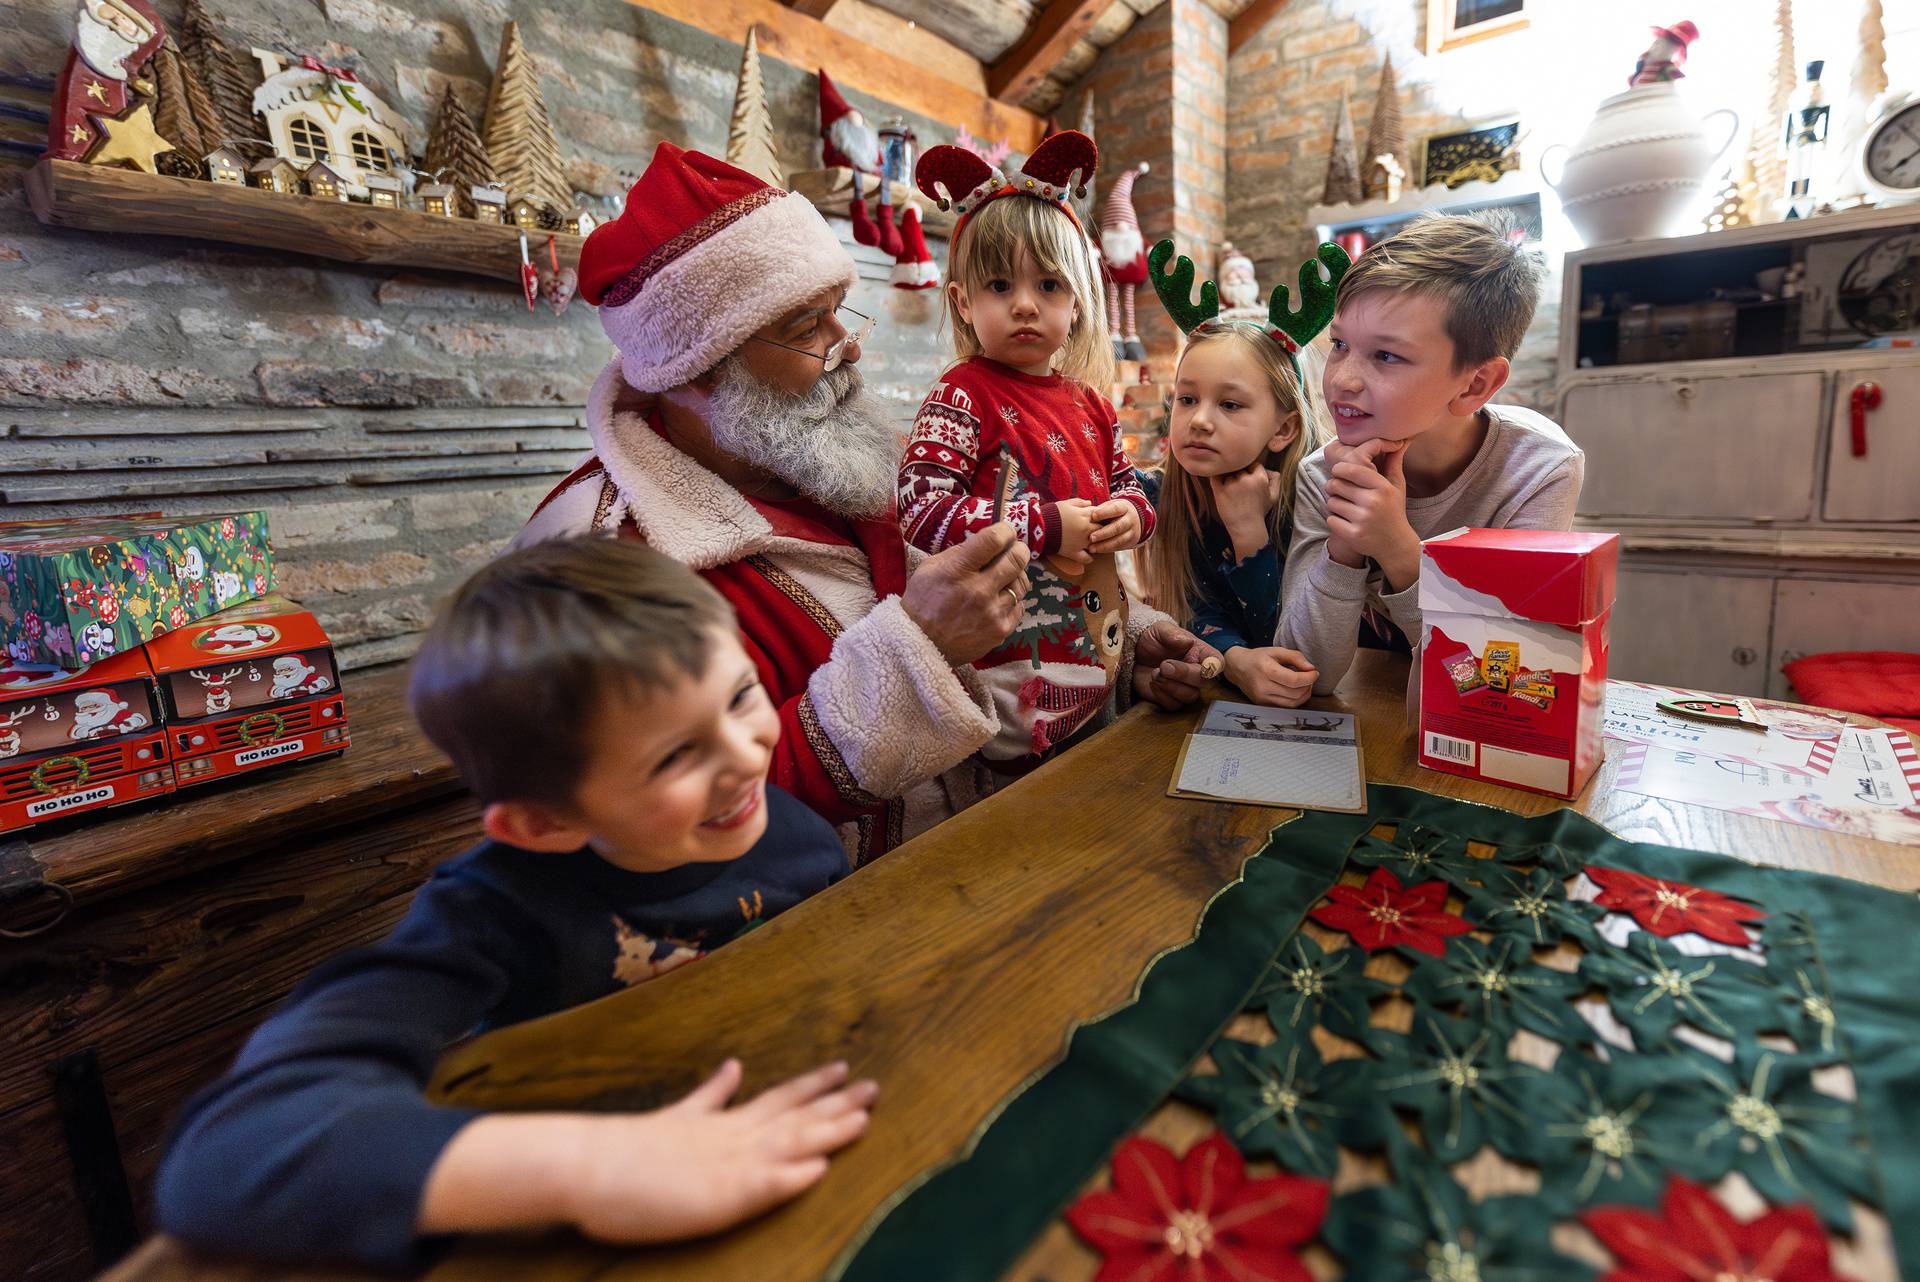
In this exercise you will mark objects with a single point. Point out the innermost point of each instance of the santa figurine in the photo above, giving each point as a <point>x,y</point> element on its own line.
<point>112,42</point>
<point>292,675</point>
<point>1239,288</point>
<point>1123,263</point>
<point>97,712</point>
<point>1665,56</point>
<point>849,142</point>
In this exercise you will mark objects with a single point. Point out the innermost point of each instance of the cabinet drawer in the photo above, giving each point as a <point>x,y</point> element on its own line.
<point>1730,447</point>
<point>1814,616</point>
<point>1882,484</point>
<point>1700,631</point>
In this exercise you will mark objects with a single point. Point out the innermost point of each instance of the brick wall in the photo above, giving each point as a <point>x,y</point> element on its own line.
<point>1159,95</point>
<point>1283,95</point>
<point>398,426</point>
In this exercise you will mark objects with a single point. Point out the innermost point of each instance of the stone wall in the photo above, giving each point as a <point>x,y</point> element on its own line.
<point>397,425</point>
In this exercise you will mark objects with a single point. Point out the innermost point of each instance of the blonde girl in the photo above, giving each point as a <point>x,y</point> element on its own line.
<point>1031,350</point>
<point>1242,420</point>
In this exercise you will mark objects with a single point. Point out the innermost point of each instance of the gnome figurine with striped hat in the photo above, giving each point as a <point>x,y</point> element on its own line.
<point>1123,263</point>
<point>849,142</point>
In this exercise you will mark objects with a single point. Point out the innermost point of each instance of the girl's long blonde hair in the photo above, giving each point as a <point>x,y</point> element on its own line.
<point>1186,501</point>
<point>989,246</point>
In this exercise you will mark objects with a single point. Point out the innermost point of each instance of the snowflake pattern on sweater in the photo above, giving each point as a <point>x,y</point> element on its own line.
<point>1056,671</point>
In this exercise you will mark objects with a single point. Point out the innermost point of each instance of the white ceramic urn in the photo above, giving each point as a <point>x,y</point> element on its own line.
<point>1640,169</point>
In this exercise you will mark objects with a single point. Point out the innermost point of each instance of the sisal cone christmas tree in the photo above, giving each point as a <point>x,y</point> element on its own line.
<point>1343,170</point>
<point>1867,81</point>
<point>518,134</point>
<point>455,152</point>
<point>1766,152</point>
<point>1386,136</point>
<point>220,74</point>
<point>173,113</point>
<point>750,143</point>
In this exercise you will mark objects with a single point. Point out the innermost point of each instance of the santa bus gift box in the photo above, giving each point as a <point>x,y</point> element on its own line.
<point>1513,655</point>
<point>73,592</point>
<point>253,686</point>
<point>77,741</point>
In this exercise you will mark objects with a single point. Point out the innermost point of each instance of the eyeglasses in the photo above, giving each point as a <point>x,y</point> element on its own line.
<point>838,351</point>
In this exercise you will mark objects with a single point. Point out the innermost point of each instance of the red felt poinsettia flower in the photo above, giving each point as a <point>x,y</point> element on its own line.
<point>1673,908</point>
<point>1198,1219</point>
<point>1696,1239</point>
<point>1383,913</point>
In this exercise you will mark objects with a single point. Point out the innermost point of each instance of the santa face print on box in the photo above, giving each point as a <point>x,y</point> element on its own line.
<point>98,713</point>
<point>237,638</point>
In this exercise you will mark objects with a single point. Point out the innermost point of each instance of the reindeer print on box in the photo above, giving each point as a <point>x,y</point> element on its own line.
<point>77,741</point>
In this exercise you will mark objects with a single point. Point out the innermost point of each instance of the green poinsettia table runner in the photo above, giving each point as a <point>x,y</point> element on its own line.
<point>1736,995</point>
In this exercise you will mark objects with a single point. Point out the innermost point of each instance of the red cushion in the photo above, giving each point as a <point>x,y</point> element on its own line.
<point>1878,683</point>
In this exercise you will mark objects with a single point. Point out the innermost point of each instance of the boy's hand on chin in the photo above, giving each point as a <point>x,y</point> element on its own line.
<point>1367,509</point>
<point>699,1166</point>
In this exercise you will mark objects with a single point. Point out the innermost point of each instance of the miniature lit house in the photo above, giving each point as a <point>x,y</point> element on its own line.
<point>489,204</point>
<point>314,115</point>
<point>275,173</point>
<point>383,190</point>
<point>324,182</point>
<point>525,211</point>
<point>225,165</point>
<point>439,199</point>
<point>581,221</point>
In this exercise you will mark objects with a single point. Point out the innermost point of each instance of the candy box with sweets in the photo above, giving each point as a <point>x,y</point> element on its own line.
<point>73,592</point>
<point>1513,655</point>
<point>77,741</point>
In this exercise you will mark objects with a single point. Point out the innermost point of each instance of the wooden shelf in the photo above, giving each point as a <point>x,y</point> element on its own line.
<point>66,193</point>
<point>831,190</point>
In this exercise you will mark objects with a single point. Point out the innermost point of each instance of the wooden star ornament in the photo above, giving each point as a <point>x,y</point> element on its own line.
<point>131,139</point>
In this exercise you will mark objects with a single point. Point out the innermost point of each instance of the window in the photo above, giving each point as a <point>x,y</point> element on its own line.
<point>369,153</point>
<point>307,140</point>
<point>1452,23</point>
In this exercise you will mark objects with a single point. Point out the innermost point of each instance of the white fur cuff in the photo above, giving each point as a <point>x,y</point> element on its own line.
<point>702,306</point>
<point>894,707</point>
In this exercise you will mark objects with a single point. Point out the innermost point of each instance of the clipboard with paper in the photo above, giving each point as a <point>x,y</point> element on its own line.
<point>1296,758</point>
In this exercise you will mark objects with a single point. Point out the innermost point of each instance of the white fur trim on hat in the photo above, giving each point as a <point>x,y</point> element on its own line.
<point>701,306</point>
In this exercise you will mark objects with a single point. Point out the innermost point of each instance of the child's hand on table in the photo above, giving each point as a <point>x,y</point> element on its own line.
<point>683,1171</point>
<point>1116,527</point>
<point>1271,675</point>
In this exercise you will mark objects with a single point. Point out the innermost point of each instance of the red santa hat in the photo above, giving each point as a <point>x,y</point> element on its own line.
<point>914,268</point>
<point>703,255</point>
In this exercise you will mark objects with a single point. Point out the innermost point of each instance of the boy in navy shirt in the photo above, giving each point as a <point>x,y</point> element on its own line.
<point>594,695</point>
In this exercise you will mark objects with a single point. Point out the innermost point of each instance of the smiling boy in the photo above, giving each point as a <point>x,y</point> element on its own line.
<point>594,695</point>
<point>1424,331</point>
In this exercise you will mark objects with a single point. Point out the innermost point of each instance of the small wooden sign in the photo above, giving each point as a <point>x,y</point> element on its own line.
<point>1724,710</point>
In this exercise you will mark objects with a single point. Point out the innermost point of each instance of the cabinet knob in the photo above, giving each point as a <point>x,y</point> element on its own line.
<point>1745,656</point>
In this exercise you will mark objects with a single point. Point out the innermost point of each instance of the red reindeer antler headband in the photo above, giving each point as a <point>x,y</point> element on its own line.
<point>954,178</point>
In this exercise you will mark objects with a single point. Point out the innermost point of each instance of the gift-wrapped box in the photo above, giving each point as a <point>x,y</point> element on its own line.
<point>73,592</point>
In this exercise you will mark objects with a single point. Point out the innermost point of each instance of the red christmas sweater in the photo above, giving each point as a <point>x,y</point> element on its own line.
<point>1056,670</point>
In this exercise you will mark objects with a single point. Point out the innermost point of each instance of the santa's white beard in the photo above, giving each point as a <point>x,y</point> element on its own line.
<point>856,140</point>
<point>86,723</point>
<point>104,49</point>
<point>834,444</point>
<point>1120,245</point>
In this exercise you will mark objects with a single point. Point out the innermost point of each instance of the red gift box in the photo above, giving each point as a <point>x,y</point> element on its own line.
<point>1513,655</point>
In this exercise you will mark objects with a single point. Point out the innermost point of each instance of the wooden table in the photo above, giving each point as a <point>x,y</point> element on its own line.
<point>951,970</point>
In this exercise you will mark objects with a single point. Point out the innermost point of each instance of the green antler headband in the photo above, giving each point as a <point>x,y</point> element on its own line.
<point>1291,329</point>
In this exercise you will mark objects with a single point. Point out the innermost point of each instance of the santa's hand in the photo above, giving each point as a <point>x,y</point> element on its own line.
<point>1166,665</point>
<point>967,598</point>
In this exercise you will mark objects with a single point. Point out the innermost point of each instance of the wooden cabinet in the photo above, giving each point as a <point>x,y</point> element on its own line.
<point>1751,532</point>
<point>1813,616</point>
<point>1882,484</point>
<point>1658,617</point>
<point>1695,448</point>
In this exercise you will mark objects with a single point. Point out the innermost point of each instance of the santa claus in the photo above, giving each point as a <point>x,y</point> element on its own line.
<point>292,675</point>
<point>112,41</point>
<point>732,431</point>
<point>97,713</point>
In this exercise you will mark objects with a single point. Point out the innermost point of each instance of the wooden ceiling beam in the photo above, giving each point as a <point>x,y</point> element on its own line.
<point>1248,25</point>
<point>813,8</point>
<point>809,44</point>
<point>1021,69</point>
